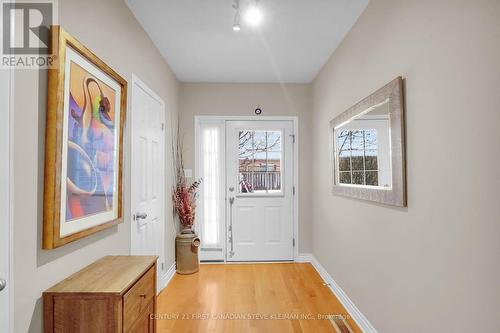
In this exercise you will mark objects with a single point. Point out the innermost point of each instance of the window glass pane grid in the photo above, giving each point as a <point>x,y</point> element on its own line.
<point>260,158</point>
<point>357,157</point>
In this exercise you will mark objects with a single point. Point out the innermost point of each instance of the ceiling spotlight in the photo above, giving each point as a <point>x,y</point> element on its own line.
<point>253,15</point>
<point>236,24</point>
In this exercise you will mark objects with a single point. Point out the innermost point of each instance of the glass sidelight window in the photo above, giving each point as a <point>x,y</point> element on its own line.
<point>260,159</point>
<point>210,215</point>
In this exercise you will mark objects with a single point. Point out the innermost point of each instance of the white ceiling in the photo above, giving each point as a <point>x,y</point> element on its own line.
<point>293,42</point>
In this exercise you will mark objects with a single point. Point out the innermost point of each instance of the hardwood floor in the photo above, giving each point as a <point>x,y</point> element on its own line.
<point>274,297</point>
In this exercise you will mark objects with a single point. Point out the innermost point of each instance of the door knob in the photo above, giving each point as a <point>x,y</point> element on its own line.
<point>140,216</point>
<point>3,284</point>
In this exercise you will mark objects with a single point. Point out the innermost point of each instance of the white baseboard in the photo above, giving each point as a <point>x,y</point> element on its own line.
<point>304,257</point>
<point>167,277</point>
<point>211,255</point>
<point>353,311</point>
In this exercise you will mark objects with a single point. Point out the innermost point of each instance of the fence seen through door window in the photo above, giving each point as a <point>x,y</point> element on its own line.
<point>259,161</point>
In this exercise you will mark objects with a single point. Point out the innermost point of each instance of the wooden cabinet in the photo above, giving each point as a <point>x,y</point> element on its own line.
<point>114,294</point>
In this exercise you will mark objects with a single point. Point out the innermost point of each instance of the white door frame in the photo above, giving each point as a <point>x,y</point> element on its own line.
<point>6,195</point>
<point>295,120</point>
<point>138,82</point>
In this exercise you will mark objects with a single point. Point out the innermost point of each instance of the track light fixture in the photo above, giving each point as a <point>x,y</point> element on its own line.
<point>236,24</point>
<point>252,14</point>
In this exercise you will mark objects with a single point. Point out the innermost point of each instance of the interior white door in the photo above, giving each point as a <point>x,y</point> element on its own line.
<point>148,175</point>
<point>259,190</point>
<point>5,258</point>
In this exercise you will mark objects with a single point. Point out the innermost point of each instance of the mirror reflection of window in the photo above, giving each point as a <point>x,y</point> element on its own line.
<point>357,156</point>
<point>362,149</point>
<point>259,162</point>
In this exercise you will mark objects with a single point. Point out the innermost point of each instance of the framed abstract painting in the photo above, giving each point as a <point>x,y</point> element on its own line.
<point>83,143</point>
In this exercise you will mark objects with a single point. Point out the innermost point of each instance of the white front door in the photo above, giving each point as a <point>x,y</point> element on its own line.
<point>148,174</point>
<point>259,190</point>
<point>5,259</point>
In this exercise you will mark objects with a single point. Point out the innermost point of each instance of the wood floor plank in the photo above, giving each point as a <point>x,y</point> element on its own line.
<point>270,297</point>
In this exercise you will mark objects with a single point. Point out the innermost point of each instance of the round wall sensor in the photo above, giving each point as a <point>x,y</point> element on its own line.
<point>258,111</point>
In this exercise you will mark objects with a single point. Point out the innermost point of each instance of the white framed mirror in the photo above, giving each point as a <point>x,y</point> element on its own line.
<point>367,146</point>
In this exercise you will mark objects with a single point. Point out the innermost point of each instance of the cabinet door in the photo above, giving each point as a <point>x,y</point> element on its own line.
<point>137,300</point>
<point>144,323</point>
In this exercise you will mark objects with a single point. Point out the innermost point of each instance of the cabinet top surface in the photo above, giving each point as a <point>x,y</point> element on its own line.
<point>111,274</point>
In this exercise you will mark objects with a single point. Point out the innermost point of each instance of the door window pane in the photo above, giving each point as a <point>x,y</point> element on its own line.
<point>259,161</point>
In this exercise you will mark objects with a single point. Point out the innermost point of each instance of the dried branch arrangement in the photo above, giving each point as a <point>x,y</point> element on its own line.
<point>185,194</point>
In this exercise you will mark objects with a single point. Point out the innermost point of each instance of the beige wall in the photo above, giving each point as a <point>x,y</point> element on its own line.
<point>110,30</point>
<point>434,266</point>
<point>241,100</point>
<point>431,267</point>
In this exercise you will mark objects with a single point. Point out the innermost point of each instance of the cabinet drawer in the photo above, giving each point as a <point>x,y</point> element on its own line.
<point>138,299</point>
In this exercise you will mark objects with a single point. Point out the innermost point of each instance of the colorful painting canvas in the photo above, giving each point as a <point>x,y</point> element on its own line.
<point>91,158</point>
<point>84,144</point>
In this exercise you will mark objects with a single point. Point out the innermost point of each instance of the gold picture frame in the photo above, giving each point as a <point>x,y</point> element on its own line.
<point>86,111</point>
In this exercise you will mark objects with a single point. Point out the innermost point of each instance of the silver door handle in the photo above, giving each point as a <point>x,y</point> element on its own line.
<point>140,216</point>
<point>3,284</point>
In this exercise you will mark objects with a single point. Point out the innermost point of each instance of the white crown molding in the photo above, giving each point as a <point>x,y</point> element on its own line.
<point>353,311</point>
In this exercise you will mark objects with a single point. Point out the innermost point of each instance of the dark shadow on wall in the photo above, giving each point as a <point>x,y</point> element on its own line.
<point>405,140</point>
<point>36,325</point>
